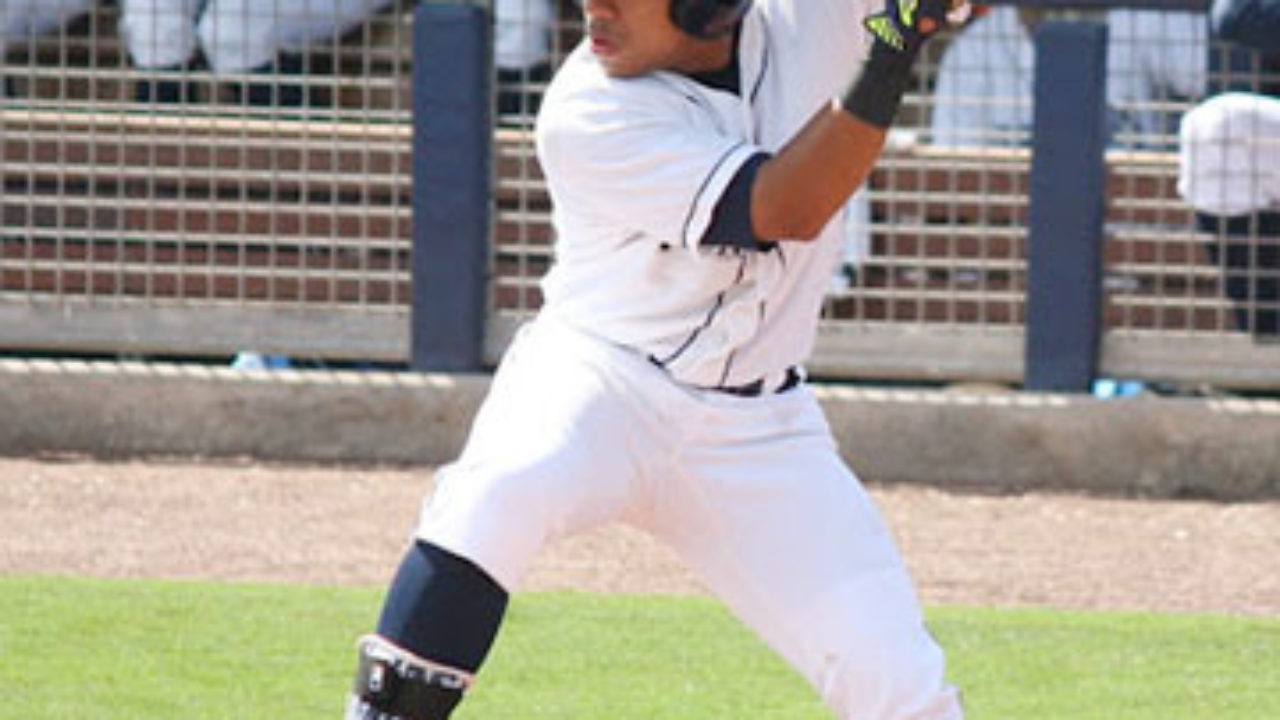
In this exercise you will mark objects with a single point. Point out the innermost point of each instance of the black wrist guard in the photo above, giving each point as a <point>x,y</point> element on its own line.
<point>897,36</point>
<point>876,94</point>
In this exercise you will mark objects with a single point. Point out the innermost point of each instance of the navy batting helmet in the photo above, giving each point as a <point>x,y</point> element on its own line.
<point>708,18</point>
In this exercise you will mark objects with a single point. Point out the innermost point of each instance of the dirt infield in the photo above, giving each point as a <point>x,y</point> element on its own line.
<point>252,522</point>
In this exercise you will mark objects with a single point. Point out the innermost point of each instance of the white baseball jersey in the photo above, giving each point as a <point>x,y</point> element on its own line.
<point>636,167</point>
<point>1230,155</point>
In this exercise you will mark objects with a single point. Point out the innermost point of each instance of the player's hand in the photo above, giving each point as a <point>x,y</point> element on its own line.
<point>959,12</point>
<point>898,34</point>
<point>905,25</point>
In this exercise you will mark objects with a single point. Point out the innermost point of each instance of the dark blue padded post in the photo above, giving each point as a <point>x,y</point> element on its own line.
<point>452,161</point>
<point>1068,203</point>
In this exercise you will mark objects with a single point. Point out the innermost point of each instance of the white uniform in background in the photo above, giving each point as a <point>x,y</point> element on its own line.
<point>522,33</point>
<point>604,407</point>
<point>25,19</point>
<point>1230,155</point>
<point>235,35</point>
<point>985,83</point>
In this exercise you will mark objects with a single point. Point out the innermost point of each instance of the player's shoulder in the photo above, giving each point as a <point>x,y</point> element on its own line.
<point>583,100</point>
<point>581,80</point>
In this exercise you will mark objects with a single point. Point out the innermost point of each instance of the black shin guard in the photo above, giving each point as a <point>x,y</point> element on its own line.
<point>438,623</point>
<point>443,607</point>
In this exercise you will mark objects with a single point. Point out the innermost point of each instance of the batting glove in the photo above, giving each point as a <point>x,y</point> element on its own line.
<point>905,25</point>
<point>897,34</point>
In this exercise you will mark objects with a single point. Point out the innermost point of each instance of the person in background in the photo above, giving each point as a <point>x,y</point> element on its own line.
<point>24,20</point>
<point>1229,164</point>
<point>266,39</point>
<point>985,78</point>
<point>522,53</point>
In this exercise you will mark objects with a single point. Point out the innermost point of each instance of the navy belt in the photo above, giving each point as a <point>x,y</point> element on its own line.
<point>755,388</point>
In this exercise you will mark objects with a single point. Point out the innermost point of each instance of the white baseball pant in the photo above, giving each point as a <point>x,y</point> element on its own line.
<point>750,492</point>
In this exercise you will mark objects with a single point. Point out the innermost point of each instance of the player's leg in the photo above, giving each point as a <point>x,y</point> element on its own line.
<point>307,22</point>
<point>160,36</point>
<point>439,606</point>
<point>239,35</point>
<point>1247,248</point>
<point>780,529</point>
<point>159,33</point>
<point>552,452</point>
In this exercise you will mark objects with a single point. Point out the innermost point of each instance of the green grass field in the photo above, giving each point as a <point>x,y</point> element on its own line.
<point>116,650</point>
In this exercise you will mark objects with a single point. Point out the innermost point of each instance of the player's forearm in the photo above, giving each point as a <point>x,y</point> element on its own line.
<point>799,190</point>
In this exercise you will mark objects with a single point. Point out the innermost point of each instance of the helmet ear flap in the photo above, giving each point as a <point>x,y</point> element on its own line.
<point>708,18</point>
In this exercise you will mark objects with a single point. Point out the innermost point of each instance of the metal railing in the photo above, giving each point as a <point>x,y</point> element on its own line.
<point>210,206</point>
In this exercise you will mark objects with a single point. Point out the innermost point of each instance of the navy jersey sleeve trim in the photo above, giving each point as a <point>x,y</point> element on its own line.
<point>710,319</point>
<point>702,190</point>
<point>731,221</point>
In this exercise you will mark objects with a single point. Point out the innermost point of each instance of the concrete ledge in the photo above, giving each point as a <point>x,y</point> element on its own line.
<point>1166,447</point>
<point>129,410</point>
<point>1227,449</point>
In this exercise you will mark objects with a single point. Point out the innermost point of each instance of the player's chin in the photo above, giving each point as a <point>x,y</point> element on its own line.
<point>620,70</point>
<point>622,74</point>
<point>618,64</point>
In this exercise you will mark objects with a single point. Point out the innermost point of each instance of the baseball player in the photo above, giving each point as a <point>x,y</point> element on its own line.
<point>1229,171</point>
<point>698,154</point>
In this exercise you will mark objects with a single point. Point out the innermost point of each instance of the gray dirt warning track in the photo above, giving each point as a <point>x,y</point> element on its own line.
<point>345,525</point>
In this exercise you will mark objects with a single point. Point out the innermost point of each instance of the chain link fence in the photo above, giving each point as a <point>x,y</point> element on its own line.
<point>199,178</point>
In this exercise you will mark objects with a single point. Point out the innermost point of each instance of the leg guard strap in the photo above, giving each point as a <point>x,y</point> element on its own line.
<point>392,684</point>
